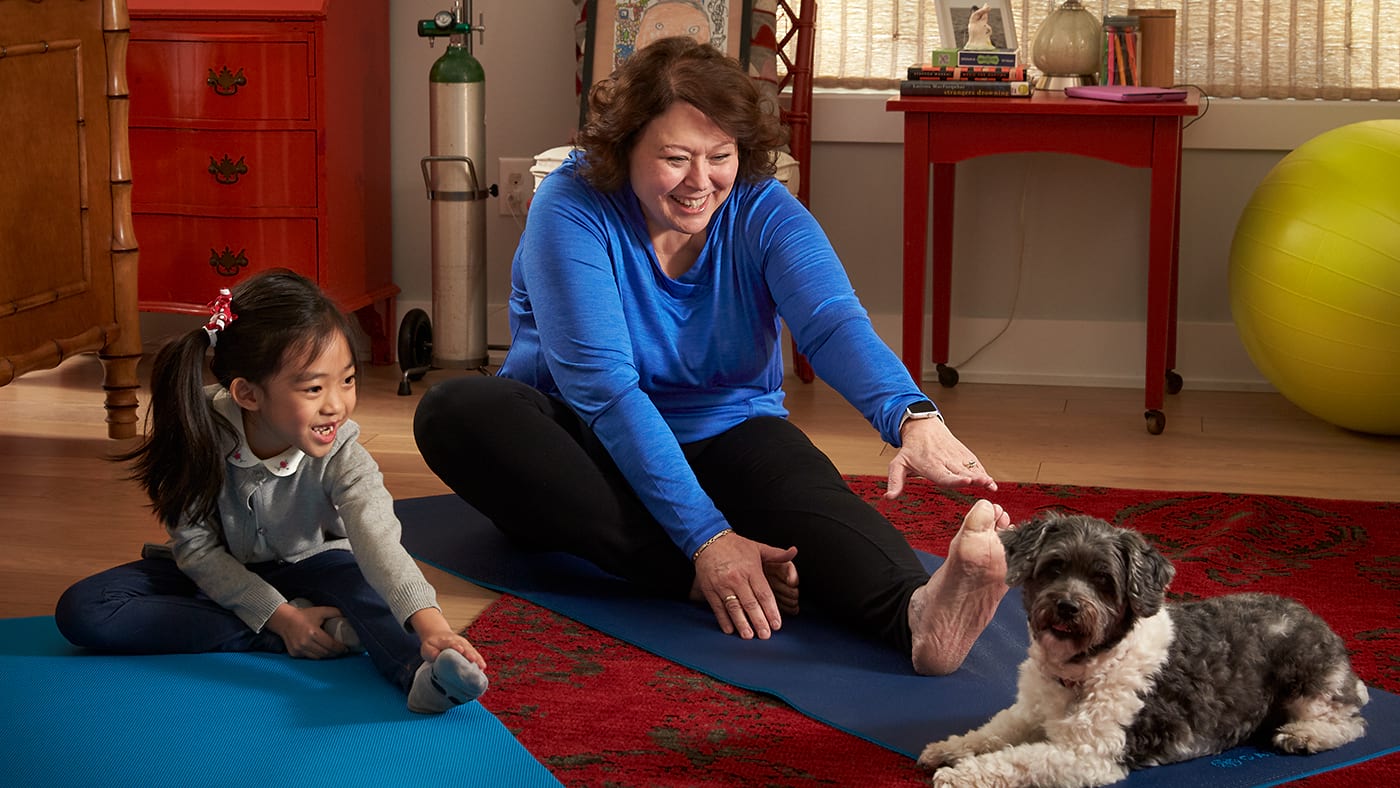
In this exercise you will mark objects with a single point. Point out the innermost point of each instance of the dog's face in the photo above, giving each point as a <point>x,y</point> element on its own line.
<point>1083,581</point>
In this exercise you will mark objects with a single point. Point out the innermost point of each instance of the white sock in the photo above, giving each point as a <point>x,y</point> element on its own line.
<point>450,680</point>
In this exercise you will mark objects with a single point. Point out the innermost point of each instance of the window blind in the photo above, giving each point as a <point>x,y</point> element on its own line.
<point>1300,49</point>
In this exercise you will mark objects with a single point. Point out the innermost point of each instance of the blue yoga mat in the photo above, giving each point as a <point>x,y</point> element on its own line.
<point>76,719</point>
<point>825,672</point>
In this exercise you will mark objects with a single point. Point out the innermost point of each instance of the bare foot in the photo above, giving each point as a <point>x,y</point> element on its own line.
<point>782,579</point>
<point>949,611</point>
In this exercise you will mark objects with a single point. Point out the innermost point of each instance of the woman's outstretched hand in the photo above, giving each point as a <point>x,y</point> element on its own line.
<point>738,578</point>
<point>930,450</point>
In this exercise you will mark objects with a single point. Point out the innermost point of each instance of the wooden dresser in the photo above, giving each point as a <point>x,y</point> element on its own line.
<point>260,139</point>
<point>67,251</point>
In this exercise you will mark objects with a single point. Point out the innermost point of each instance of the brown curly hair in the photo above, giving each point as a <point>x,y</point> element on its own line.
<point>659,75</point>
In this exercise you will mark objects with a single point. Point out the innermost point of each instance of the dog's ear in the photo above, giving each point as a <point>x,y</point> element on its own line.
<point>1022,545</point>
<point>1149,574</point>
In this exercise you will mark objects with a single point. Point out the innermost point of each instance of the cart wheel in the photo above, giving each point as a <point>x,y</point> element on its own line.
<point>947,376</point>
<point>415,348</point>
<point>415,343</point>
<point>1173,382</point>
<point>1156,421</point>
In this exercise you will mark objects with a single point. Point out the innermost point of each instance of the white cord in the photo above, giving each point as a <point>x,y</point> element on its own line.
<point>1020,268</point>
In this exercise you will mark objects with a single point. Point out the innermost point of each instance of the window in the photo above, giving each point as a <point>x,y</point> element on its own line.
<point>1303,49</point>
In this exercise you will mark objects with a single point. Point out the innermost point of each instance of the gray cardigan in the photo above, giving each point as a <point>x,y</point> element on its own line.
<point>291,507</point>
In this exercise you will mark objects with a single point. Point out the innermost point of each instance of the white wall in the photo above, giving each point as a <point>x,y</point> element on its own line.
<point>1060,240</point>
<point>528,58</point>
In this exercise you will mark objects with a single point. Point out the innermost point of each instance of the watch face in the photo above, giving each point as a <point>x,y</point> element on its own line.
<point>921,408</point>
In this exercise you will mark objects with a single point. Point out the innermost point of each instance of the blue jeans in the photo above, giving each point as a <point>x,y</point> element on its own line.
<point>151,607</point>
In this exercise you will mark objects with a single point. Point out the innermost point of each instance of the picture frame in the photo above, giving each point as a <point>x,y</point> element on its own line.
<point>616,28</point>
<point>953,16</point>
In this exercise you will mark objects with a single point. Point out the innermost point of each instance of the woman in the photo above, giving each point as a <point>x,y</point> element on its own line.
<point>638,420</point>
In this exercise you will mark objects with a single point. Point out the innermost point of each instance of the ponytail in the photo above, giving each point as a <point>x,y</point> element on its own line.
<point>180,464</point>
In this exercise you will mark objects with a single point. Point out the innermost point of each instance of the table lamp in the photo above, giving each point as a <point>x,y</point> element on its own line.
<point>1066,48</point>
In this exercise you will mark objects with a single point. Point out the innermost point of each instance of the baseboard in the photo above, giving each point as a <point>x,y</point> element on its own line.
<point>1045,352</point>
<point>1084,353</point>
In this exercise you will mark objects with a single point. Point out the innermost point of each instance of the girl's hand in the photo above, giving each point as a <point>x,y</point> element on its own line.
<point>301,632</point>
<point>437,636</point>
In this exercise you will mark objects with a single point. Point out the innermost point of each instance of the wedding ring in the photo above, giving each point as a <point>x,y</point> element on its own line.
<point>731,596</point>
<point>970,464</point>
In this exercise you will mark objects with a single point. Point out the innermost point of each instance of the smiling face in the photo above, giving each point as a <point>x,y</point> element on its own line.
<point>302,405</point>
<point>682,169</point>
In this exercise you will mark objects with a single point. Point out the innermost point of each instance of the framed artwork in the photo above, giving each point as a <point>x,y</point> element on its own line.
<point>617,28</point>
<point>954,17</point>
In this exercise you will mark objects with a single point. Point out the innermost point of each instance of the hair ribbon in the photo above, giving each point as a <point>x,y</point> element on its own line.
<point>220,315</point>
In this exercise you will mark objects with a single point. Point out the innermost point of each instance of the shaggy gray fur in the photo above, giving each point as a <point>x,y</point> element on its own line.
<point>1238,665</point>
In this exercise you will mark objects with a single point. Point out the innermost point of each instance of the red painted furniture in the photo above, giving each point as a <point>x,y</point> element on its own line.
<point>260,139</point>
<point>943,131</point>
<point>796,52</point>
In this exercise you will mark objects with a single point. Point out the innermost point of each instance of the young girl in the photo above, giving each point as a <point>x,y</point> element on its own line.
<point>265,493</point>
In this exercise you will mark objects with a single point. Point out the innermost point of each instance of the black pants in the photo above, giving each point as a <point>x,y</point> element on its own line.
<point>531,465</point>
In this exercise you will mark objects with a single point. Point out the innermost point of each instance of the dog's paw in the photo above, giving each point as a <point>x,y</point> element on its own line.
<point>1304,737</point>
<point>954,777</point>
<point>944,753</point>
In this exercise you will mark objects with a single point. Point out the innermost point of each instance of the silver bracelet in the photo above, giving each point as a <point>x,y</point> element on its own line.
<point>709,542</point>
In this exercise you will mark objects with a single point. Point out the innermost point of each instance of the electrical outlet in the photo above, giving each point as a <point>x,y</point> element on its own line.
<point>516,186</point>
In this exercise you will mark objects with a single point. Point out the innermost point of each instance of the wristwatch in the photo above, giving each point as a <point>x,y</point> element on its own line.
<point>922,409</point>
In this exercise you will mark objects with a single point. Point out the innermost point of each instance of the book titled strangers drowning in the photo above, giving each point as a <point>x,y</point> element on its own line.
<point>964,87</point>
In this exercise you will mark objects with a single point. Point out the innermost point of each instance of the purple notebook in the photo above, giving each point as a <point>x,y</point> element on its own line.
<point>1126,93</point>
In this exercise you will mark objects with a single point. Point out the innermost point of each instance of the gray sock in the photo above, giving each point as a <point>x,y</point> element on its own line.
<point>338,627</point>
<point>448,681</point>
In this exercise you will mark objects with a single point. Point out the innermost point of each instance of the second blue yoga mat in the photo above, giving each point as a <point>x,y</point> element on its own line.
<point>823,671</point>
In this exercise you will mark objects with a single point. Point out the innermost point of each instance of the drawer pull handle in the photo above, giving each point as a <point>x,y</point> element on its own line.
<point>226,170</point>
<point>226,263</point>
<point>226,83</point>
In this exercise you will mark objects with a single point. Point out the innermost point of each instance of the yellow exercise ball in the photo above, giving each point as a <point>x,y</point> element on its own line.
<point>1315,277</point>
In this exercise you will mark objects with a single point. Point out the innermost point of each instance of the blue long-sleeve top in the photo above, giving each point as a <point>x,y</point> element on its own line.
<point>651,363</point>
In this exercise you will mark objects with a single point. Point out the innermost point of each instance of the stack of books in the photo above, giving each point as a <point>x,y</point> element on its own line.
<point>968,72</point>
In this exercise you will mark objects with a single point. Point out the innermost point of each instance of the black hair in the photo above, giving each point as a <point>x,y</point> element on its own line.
<point>280,317</point>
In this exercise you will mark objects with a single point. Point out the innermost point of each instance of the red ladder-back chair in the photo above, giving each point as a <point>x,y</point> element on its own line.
<point>795,51</point>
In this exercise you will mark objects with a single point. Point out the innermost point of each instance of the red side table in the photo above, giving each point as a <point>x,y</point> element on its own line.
<point>942,131</point>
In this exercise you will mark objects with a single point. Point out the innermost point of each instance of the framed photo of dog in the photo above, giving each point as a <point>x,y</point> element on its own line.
<point>976,24</point>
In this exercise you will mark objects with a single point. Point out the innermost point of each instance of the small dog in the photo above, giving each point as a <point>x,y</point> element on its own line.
<point>1118,679</point>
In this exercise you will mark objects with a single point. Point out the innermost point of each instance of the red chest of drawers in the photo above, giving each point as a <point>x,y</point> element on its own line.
<point>260,139</point>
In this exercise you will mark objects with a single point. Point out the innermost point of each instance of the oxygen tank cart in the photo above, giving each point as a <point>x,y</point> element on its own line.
<point>453,175</point>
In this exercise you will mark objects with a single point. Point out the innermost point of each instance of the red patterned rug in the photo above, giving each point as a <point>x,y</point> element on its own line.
<point>599,712</point>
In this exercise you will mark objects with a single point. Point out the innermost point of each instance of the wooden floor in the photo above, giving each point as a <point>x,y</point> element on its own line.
<point>65,512</point>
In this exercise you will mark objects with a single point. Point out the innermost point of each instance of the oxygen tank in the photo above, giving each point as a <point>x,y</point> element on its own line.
<point>454,173</point>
